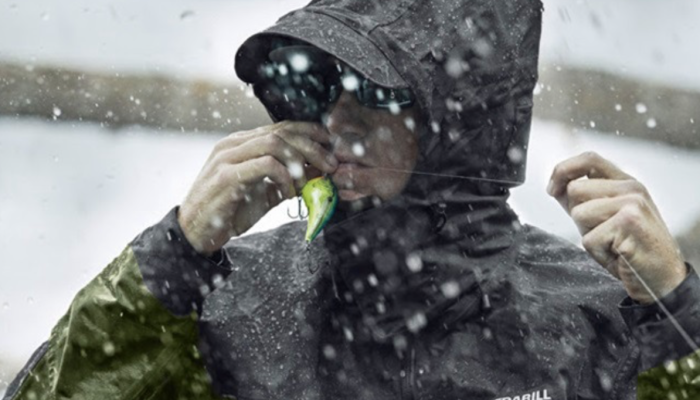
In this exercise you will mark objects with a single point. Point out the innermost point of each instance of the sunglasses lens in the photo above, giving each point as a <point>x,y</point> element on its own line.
<point>290,94</point>
<point>375,96</point>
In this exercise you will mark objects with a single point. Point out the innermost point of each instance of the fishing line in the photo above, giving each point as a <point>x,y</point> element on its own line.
<point>665,310</point>
<point>471,178</point>
<point>688,339</point>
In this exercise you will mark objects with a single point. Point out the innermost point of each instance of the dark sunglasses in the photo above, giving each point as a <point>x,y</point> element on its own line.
<point>300,83</point>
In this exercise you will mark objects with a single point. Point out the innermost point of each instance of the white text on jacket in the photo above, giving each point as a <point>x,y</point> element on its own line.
<point>538,395</point>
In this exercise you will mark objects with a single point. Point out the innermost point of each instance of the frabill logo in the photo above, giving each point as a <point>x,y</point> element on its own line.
<point>538,395</point>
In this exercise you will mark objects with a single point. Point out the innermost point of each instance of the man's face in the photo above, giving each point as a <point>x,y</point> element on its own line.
<point>376,149</point>
<point>372,128</point>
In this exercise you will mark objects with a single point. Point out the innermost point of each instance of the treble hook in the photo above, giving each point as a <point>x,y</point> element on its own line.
<point>301,215</point>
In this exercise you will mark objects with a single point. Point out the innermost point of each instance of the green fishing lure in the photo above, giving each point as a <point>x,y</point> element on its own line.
<point>321,197</point>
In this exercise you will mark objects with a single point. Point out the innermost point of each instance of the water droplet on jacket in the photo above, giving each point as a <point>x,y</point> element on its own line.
<point>381,307</point>
<point>606,382</point>
<point>414,262</point>
<point>416,322</point>
<point>516,155</point>
<point>348,334</point>
<point>450,289</point>
<point>400,343</point>
<point>329,352</point>
<point>453,67</point>
<point>372,280</point>
<point>671,367</point>
<point>108,348</point>
<point>487,333</point>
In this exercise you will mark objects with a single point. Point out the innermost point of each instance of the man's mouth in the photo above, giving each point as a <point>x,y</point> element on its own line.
<point>350,195</point>
<point>349,175</point>
<point>346,177</point>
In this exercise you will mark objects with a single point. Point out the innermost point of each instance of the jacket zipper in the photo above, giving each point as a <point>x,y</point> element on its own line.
<point>408,374</point>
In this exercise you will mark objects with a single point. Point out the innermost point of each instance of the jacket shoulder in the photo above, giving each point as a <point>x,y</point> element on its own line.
<point>541,245</point>
<point>585,297</point>
<point>548,251</point>
<point>565,271</point>
<point>268,267</point>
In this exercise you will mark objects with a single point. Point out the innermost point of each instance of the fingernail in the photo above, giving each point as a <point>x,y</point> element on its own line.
<point>550,188</point>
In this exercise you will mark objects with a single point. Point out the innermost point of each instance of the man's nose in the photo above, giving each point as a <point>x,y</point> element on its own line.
<point>345,119</point>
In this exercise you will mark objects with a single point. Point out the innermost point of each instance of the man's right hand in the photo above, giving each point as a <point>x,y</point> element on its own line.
<point>246,175</point>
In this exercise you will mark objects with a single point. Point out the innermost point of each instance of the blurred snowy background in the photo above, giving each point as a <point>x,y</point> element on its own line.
<point>108,109</point>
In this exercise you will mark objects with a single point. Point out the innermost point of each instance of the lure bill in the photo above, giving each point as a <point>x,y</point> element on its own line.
<point>321,197</point>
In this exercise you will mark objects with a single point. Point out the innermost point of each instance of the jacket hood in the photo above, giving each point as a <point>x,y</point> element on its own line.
<point>471,64</point>
<point>419,260</point>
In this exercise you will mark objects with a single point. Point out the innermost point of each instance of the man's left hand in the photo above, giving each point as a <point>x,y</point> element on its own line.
<point>621,227</point>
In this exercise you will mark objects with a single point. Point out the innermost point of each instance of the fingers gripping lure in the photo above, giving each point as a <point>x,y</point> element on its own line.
<point>321,198</point>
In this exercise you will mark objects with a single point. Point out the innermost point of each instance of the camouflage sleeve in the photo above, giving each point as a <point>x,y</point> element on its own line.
<point>119,341</point>
<point>678,379</point>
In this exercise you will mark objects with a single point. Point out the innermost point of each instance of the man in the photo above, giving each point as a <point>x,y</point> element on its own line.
<point>424,285</point>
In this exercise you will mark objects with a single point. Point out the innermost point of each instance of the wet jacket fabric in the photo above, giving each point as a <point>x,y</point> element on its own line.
<point>439,293</point>
<point>545,325</point>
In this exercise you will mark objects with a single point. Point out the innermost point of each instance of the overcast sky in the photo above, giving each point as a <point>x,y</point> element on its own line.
<point>652,39</point>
